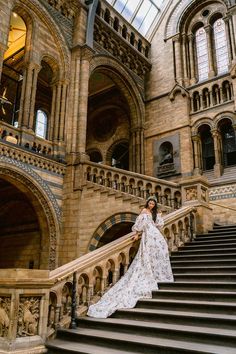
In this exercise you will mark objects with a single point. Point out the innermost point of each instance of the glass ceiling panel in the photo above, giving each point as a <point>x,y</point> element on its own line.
<point>140,13</point>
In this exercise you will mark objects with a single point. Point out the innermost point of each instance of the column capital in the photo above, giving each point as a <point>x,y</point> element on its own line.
<point>85,52</point>
<point>208,28</point>
<point>196,137</point>
<point>215,132</point>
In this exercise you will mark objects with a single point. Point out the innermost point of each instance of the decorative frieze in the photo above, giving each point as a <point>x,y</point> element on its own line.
<point>28,316</point>
<point>5,302</point>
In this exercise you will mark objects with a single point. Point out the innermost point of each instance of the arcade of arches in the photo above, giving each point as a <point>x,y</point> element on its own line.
<point>161,106</point>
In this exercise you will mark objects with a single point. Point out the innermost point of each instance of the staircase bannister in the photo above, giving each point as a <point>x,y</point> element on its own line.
<point>98,270</point>
<point>142,186</point>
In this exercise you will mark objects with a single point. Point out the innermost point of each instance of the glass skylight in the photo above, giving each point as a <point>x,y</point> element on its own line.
<point>140,13</point>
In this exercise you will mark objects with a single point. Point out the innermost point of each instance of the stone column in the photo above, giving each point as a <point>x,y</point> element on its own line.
<point>52,115</point>
<point>217,149</point>
<point>192,59</point>
<point>57,111</point>
<point>28,93</point>
<point>196,154</point>
<point>86,56</point>
<point>3,48</point>
<point>36,71</point>
<point>63,111</point>
<point>185,61</point>
<point>233,34</point>
<point>211,71</point>
<point>178,60</point>
<point>228,38</point>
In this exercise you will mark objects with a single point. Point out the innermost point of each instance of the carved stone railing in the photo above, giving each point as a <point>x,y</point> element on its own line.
<point>142,186</point>
<point>34,303</point>
<point>35,159</point>
<point>99,270</point>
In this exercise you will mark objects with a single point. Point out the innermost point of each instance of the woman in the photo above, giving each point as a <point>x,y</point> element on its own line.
<point>150,266</point>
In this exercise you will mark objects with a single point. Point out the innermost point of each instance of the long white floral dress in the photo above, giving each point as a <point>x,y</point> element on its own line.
<point>150,266</point>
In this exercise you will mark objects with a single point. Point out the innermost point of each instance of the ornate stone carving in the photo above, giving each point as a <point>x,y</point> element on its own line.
<point>121,50</point>
<point>28,316</point>
<point>4,315</point>
<point>191,193</point>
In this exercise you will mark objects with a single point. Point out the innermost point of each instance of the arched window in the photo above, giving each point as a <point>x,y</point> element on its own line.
<point>202,54</point>
<point>221,50</point>
<point>41,124</point>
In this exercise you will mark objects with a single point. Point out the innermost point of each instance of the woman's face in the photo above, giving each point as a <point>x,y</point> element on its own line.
<point>151,204</point>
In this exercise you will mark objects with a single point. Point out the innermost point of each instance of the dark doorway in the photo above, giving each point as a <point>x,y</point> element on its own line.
<point>120,156</point>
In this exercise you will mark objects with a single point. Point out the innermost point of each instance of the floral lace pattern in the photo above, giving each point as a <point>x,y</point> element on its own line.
<point>150,266</point>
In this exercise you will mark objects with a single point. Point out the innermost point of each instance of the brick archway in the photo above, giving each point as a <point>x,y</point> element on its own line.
<point>27,181</point>
<point>107,225</point>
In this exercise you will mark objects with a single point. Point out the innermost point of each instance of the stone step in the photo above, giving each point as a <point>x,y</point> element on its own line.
<point>128,342</point>
<point>162,330</point>
<point>206,242</point>
<point>201,257</point>
<point>220,296</point>
<point>210,269</point>
<point>207,251</point>
<point>213,245</point>
<point>178,317</point>
<point>192,262</point>
<point>206,285</point>
<point>215,238</point>
<point>189,305</point>
<point>211,278</point>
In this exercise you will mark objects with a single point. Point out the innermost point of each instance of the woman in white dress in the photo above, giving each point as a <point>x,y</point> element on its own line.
<point>150,266</point>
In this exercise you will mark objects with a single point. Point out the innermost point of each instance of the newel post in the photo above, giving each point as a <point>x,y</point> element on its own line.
<point>195,192</point>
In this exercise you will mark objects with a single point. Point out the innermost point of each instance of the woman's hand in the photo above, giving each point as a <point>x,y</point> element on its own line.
<point>135,237</point>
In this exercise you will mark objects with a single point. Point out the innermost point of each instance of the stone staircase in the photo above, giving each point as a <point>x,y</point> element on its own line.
<point>195,314</point>
<point>228,176</point>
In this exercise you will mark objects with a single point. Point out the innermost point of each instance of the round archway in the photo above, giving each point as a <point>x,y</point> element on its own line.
<point>20,233</point>
<point>30,219</point>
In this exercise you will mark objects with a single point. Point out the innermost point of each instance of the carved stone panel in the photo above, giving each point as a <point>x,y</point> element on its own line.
<point>5,302</point>
<point>28,316</point>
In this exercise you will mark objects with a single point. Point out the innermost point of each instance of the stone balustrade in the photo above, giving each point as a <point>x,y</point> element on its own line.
<point>141,186</point>
<point>99,270</point>
<point>34,303</point>
<point>29,157</point>
<point>204,96</point>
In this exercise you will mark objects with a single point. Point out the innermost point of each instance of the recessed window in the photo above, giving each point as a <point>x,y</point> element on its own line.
<point>202,54</point>
<point>221,50</point>
<point>41,124</point>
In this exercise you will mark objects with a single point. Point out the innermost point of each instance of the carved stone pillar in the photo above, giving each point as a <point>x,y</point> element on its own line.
<point>229,39</point>
<point>86,56</point>
<point>28,94</point>
<point>196,154</point>
<point>63,111</point>
<point>193,79</point>
<point>185,60</point>
<point>37,69</point>
<point>57,111</point>
<point>211,71</point>
<point>217,149</point>
<point>178,60</point>
<point>137,150</point>
<point>52,115</point>
<point>2,51</point>
<point>233,34</point>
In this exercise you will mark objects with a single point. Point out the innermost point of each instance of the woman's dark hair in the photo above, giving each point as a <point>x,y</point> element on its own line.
<point>154,209</point>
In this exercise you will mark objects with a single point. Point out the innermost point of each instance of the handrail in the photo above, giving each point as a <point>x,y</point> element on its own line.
<point>223,206</point>
<point>97,255</point>
<point>132,174</point>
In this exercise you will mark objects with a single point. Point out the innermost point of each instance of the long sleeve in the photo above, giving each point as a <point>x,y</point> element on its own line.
<point>140,223</point>
<point>159,221</point>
